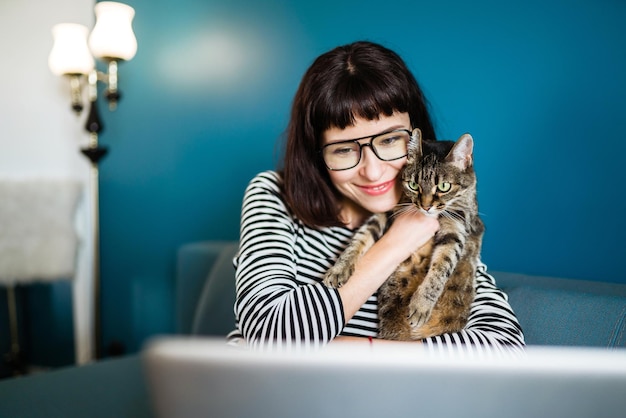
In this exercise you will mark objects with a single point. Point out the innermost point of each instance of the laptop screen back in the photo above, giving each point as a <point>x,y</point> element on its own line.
<point>200,378</point>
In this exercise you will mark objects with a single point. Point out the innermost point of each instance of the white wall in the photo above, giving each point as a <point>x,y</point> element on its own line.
<point>40,136</point>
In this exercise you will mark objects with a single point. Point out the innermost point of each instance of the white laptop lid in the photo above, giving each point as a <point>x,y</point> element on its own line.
<point>207,378</point>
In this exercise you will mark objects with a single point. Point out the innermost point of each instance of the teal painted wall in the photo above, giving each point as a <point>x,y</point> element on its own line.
<point>540,84</point>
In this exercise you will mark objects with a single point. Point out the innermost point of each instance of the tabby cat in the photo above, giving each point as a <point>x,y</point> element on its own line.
<point>430,293</point>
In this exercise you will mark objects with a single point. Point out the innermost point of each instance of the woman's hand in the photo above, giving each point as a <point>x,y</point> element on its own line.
<point>410,231</point>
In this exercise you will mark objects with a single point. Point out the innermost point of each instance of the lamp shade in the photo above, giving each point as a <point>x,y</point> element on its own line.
<point>70,54</point>
<point>113,37</point>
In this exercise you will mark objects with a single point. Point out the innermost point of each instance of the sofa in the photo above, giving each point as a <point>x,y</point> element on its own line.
<point>552,311</point>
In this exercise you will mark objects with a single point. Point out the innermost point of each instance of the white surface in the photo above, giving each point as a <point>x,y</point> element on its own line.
<point>189,378</point>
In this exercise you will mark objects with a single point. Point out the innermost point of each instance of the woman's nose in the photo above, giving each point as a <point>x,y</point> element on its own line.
<point>371,165</point>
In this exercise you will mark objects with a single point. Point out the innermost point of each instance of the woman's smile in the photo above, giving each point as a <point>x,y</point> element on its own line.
<point>378,189</point>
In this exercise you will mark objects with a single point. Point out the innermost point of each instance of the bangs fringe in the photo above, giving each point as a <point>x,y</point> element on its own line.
<point>359,97</point>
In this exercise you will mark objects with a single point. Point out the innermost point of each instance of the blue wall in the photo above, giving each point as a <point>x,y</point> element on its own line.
<point>540,84</point>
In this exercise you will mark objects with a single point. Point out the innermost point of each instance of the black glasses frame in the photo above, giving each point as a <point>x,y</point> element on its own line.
<point>366,144</point>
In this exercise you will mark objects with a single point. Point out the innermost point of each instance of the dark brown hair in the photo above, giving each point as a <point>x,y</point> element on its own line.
<point>362,79</point>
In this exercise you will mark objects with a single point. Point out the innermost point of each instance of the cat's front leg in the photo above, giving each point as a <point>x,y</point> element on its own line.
<point>445,257</point>
<point>422,303</point>
<point>363,240</point>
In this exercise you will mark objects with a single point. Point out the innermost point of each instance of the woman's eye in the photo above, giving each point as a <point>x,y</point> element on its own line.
<point>412,185</point>
<point>389,140</point>
<point>444,187</point>
<point>343,151</point>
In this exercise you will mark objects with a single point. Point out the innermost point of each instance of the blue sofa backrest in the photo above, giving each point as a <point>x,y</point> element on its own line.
<point>555,311</point>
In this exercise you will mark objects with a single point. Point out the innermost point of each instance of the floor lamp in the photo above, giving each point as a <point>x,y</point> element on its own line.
<point>112,40</point>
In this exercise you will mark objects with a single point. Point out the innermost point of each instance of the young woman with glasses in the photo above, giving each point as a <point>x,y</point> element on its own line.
<point>351,119</point>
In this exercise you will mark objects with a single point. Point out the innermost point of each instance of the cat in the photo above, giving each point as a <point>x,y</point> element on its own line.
<point>431,292</point>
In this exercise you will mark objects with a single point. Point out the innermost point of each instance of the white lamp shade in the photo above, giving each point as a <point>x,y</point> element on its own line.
<point>70,54</point>
<point>113,37</point>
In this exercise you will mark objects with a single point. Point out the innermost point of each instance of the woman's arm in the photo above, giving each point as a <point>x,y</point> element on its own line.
<point>408,233</point>
<point>276,306</point>
<point>278,302</point>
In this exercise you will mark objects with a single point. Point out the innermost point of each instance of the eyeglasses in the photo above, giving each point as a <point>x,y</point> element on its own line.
<point>344,155</point>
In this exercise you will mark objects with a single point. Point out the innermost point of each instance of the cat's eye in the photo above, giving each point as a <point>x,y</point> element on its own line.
<point>444,187</point>
<point>412,185</point>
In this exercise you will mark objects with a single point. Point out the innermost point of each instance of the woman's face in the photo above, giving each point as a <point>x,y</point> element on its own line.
<point>371,186</point>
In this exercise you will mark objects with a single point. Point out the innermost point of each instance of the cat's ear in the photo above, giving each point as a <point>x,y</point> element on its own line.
<point>461,153</point>
<point>414,148</point>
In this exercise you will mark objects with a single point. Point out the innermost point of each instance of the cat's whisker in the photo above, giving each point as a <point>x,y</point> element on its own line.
<point>404,208</point>
<point>455,217</point>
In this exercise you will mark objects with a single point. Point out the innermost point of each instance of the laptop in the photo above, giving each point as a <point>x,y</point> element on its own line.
<point>206,378</point>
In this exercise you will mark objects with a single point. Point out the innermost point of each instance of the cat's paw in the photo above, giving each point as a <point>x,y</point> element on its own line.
<point>419,311</point>
<point>338,274</point>
<point>333,279</point>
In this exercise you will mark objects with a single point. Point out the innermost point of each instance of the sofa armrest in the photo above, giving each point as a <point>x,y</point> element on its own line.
<point>195,262</point>
<point>215,311</point>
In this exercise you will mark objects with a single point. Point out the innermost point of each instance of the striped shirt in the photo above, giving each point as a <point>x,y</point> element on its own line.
<point>282,303</point>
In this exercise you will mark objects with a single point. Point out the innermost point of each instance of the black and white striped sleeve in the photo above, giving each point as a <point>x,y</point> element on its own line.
<point>274,307</point>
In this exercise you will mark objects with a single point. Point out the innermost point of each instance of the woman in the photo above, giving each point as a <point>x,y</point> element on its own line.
<point>296,222</point>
